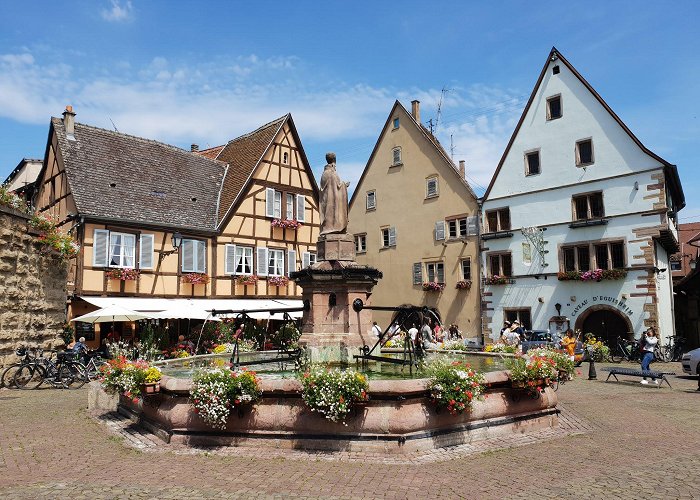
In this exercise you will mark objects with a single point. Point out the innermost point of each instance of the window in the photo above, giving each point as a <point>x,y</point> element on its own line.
<point>554,107</point>
<point>457,228</point>
<point>466,269</point>
<point>371,200</point>
<point>588,206</point>
<point>360,243</point>
<point>396,123</point>
<point>293,203</point>
<point>435,272</point>
<point>676,265</point>
<point>396,156</point>
<point>532,163</point>
<point>275,262</point>
<point>388,237</point>
<point>239,260</point>
<point>308,259</point>
<point>194,256</point>
<point>520,315</point>
<point>500,264</point>
<point>498,220</point>
<point>587,256</point>
<point>527,253</point>
<point>122,250</point>
<point>584,152</point>
<point>285,158</point>
<point>431,187</point>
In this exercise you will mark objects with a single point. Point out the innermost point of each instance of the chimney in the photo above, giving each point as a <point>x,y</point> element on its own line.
<point>415,110</point>
<point>462,169</point>
<point>194,148</point>
<point>69,121</point>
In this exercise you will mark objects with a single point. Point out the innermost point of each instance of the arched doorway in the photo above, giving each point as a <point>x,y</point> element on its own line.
<point>606,323</point>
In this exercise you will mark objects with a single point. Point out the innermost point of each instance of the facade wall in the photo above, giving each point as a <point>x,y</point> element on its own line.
<point>32,289</point>
<point>401,203</point>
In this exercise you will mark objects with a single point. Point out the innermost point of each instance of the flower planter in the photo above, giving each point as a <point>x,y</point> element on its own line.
<point>525,384</point>
<point>150,388</point>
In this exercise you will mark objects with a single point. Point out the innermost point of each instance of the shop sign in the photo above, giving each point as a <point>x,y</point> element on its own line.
<point>620,303</point>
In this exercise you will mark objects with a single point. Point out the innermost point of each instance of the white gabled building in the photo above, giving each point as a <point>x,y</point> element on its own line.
<point>598,198</point>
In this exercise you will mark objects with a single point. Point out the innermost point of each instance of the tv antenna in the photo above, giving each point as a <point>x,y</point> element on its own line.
<point>452,147</point>
<point>439,108</point>
<point>113,125</point>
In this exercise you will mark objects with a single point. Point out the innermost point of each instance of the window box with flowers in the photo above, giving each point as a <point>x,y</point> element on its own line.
<point>247,279</point>
<point>278,281</point>
<point>195,278</point>
<point>433,286</point>
<point>123,274</point>
<point>592,275</point>
<point>497,279</point>
<point>286,223</point>
<point>463,285</point>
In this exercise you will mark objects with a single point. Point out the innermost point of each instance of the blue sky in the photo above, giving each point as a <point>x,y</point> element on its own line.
<point>205,72</point>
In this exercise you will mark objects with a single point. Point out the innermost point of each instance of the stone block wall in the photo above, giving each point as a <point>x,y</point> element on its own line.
<point>32,289</point>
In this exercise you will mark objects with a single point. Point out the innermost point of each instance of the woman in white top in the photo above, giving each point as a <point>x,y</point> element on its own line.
<point>649,341</point>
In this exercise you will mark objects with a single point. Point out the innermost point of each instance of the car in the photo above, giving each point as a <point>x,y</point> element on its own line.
<point>691,362</point>
<point>538,336</point>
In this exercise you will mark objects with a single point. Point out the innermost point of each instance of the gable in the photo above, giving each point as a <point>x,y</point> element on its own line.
<point>616,151</point>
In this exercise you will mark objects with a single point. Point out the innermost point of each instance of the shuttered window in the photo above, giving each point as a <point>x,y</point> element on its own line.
<point>289,206</point>
<point>472,226</point>
<point>146,251</point>
<point>269,202</point>
<point>275,266</point>
<point>371,201</point>
<point>431,187</point>
<point>100,248</point>
<point>435,271</point>
<point>230,261</point>
<point>122,250</point>
<point>291,261</point>
<point>239,260</point>
<point>261,255</point>
<point>194,256</point>
<point>301,207</point>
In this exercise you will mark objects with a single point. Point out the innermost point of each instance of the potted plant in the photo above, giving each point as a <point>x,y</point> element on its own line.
<point>463,285</point>
<point>562,362</point>
<point>454,386</point>
<point>215,392</point>
<point>151,381</point>
<point>333,392</point>
<point>433,286</point>
<point>532,373</point>
<point>128,377</point>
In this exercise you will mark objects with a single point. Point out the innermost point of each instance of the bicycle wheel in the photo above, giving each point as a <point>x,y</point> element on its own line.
<point>615,355</point>
<point>660,354</point>
<point>72,375</point>
<point>8,374</point>
<point>29,376</point>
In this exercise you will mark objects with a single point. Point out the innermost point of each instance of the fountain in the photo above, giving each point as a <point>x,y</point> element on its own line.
<point>336,328</point>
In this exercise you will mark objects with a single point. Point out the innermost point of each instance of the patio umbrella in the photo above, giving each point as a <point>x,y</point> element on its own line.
<point>111,313</point>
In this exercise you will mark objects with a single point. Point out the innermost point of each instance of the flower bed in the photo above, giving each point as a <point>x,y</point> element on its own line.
<point>454,385</point>
<point>215,392</point>
<point>499,347</point>
<point>453,345</point>
<point>592,275</point>
<point>128,377</point>
<point>433,286</point>
<point>123,274</point>
<point>533,373</point>
<point>286,223</point>
<point>247,279</point>
<point>497,279</point>
<point>463,285</point>
<point>562,362</point>
<point>278,281</point>
<point>333,392</point>
<point>195,278</point>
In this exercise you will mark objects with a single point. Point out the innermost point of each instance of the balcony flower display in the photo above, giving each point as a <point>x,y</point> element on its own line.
<point>247,279</point>
<point>496,279</point>
<point>463,285</point>
<point>433,286</point>
<point>123,274</point>
<point>278,281</point>
<point>195,278</point>
<point>592,275</point>
<point>286,223</point>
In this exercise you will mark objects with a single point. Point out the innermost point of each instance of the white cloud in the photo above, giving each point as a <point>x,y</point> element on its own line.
<point>117,12</point>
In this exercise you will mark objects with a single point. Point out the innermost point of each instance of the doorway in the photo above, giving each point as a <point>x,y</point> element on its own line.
<point>605,323</point>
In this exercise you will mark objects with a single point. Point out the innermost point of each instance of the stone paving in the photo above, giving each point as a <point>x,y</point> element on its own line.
<point>617,440</point>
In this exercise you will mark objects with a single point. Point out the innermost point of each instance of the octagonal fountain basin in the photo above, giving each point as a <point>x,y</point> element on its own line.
<point>398,418</point>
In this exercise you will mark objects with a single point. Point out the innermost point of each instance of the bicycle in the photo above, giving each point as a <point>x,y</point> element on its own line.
<point>93,367</point>
<point>673,351</point>
<point>7,377</point>
<point>66,373</point>
<point>624,349</point>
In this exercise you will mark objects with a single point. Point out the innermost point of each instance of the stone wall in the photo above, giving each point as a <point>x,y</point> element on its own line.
<point>32,288</point>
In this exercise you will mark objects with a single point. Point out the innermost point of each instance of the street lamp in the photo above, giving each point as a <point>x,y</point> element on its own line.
<point>176,241</point>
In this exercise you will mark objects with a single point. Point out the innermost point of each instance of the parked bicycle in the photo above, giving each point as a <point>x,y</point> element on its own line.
<point>26,356</point>
<point>624,349</point>
<point>66,372</point>
<point>93,367</point>
<point>673,350</point>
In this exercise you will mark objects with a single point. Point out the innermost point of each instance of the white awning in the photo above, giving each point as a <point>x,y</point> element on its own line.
<point>197,308</point>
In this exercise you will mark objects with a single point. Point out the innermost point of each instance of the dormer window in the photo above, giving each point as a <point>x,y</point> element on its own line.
<point>584,152</point>
<point>554,110</point>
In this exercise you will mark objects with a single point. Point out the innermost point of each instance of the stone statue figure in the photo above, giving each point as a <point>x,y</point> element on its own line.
<point>334,200</point>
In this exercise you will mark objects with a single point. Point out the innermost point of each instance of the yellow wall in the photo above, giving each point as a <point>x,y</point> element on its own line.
<point>401,202</point>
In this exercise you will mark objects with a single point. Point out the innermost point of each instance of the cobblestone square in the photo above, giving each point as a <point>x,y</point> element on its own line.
<point>616,440</point>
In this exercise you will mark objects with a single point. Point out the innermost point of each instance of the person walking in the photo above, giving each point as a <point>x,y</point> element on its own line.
<point>648,341</point>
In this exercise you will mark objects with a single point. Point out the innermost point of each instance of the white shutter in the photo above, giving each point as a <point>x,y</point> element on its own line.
<point>230,261</point>
<point>392,236</point>
<point>291,261</point>
<point>305,260</point>
<point>187,249</point>
<point>472,226</point>
<point>261,256</point>
<point>146,251</point>
<point>201,256</point>
<point>440,230</point>
<point>100,248</point>
<point>269,202</point>
<point>417,273</point>
<point>301,207</point>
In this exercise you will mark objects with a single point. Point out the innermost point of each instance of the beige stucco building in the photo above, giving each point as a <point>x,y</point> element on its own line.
<point>414,217</point>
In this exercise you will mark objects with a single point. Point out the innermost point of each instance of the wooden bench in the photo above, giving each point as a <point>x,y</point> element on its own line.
<point>634,372</point>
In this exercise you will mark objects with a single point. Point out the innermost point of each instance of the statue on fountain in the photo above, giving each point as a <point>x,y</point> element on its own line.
<point>334,200</point>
